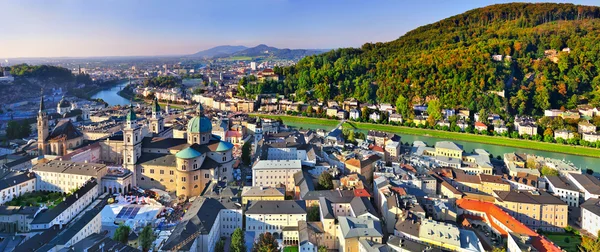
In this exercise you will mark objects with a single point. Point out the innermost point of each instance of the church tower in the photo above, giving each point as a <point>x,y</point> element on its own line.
<point>157,123</point>
<point>132,146</point>
<point>42,128</point>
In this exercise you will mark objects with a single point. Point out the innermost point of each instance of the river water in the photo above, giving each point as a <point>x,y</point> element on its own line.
<point>111,97</point>
<point>497,150</point>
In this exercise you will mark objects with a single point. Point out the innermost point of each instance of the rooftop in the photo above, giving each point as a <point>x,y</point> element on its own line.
<point>277,207</point>
<point>529,197</point>
<point>277,164</point>
<point>69,167</point>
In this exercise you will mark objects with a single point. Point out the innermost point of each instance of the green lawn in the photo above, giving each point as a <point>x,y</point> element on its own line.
<point>37,198</point>
<point>496,140</point>
<point>570,244</point>
<point>290,249</point>
<point>239,58</point>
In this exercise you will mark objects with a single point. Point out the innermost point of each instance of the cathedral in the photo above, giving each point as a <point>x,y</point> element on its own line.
<point>184,166</point>
<point>65,136</point>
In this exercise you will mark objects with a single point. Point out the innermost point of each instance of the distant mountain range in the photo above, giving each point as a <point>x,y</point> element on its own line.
<point>259,51</point>
<point>219,51</point>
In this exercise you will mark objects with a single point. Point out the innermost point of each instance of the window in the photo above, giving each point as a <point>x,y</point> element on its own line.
<point>206,175</point>
<point>171,172</point>
<point>151,171</point>
<point>183,167</point>
<point>162,171</point>
<point>182,179</point>
<point>195,177</point>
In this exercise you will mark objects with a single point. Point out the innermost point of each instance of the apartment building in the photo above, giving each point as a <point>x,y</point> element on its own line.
<point>562,188</point>
<point>535,209</point>
<point>66,176</point>
<point>15,184</point>
<point>275,217</point>
<point>273,173</point>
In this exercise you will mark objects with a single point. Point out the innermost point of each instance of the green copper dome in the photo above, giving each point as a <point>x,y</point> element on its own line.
<point>224,146</point>
<point>200,123</point>
<point>188,153</point>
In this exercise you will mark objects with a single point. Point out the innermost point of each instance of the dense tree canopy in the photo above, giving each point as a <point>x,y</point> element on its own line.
<point>163,82</point>
<point>43,72</point>
<point>467,61</point>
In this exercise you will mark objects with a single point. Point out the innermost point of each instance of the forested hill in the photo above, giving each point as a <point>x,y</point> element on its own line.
<point>452,60</point>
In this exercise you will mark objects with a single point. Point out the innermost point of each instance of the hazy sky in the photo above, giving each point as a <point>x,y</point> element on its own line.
<point>148,27</point>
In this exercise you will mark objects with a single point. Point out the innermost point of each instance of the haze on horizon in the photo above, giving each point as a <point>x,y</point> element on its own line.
<point>66,28</point>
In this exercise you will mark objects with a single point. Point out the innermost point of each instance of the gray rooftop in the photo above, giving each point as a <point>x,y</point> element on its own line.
<point>449,145</point>
<point>69,167</point>
<point>359,227</point>
<point>277,207</point>
<point>531,197</point>
<point>200,217</point>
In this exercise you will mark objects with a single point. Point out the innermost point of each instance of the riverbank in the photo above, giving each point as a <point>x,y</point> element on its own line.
<point>494,140</point>
<point>87,93</point>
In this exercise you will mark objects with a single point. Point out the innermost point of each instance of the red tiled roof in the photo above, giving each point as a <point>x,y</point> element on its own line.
<point>361,193</point>
<point>480,124</point>
<point>376,148</point>
<point>493,211</point>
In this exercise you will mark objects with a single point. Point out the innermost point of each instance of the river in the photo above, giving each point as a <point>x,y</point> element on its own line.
<point>111,95</point>
<point>112,98</point>
<point>497,150</point>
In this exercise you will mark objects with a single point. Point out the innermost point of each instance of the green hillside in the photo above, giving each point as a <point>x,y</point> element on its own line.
<point>451,60</point>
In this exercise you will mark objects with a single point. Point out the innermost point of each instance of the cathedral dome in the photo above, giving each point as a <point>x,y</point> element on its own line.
<point>224,146</point>
<point>63,103</point>
<point>200,123</point>
<point>188,153</point>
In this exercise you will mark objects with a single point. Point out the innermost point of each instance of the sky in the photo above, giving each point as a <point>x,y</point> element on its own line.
<point>83,28</point>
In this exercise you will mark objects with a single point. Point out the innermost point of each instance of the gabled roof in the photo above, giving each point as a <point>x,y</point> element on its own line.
<point>493,211</point>
<point>64,130</point>
<point>362,206</point>
<point>531,197</point>
<point>588,182</point>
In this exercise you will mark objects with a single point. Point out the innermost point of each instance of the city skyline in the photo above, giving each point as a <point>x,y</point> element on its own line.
<point>153,28</point>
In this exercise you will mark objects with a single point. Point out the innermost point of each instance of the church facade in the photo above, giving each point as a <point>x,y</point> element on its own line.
<point>184,166</point>
<point>63,137</point>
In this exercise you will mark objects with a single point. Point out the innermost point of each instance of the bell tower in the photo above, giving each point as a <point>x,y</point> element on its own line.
<point>157,123</point>
<point>42,128</point>
<point>132,143</point>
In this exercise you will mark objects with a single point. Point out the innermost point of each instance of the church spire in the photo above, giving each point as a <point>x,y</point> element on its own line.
<point>155,106</point>
<point>42,104</point>
<point>200,109</point>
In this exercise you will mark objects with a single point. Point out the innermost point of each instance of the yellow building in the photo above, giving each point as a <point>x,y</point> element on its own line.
<point>448,149</point>
<point>256,193</point>
<point>363,167</point>
<point>535,209</point>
